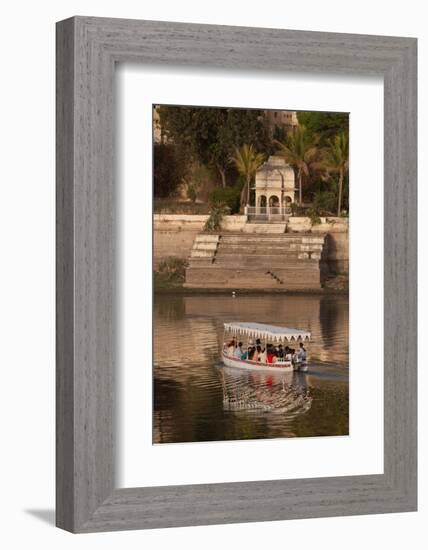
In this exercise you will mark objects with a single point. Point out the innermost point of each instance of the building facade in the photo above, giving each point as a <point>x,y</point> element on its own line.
<point>275,184</point>
<point>283,120</point>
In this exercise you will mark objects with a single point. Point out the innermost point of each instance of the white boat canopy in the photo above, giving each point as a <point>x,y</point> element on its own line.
<point>262,331</point>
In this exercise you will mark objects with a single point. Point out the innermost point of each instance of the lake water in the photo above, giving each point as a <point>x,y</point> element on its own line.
<point>196,398</point>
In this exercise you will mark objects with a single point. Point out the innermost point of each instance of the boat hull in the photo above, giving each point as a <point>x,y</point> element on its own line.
<point>252,365</point>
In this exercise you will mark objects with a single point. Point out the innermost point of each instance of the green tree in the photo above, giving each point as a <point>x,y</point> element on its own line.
<point>336,161</point>
<point>226,196</point>
<point>300,150</point>
<point>210,134</point>
<point>169,169</point>
<point>326,125</point>
<point>247,161</point>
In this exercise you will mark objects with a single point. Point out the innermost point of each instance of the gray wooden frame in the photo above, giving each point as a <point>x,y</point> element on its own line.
<point>87,50</point>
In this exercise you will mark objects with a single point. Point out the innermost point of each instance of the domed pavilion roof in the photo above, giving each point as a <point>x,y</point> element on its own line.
<point>275,173</point>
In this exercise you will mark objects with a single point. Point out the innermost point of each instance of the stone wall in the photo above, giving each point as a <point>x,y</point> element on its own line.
<point>174,235</point>
<point>336,243</point>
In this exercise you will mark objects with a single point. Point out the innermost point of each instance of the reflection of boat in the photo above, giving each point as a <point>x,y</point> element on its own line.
<point>285,393</point>
<point>267,343</point>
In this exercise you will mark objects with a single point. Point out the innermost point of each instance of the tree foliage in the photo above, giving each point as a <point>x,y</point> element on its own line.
<point>210,134</point>
<point>226,196</point>
<point>326,125</point>
<point>300,151</point>
<point>229,144</point>
<point>169,169</point>
<point>336,161</point>
<point>247,161</point>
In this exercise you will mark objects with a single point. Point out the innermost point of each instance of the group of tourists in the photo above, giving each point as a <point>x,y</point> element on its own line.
<point>265,355</point>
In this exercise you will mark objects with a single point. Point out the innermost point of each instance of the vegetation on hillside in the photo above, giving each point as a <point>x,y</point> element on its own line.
<point>209,135</point>
<point>323,124</point>
<point>210,156</point>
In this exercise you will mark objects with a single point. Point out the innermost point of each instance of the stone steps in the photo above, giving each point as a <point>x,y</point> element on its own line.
<point>281,251</point>
<point>274,237</point>
<point>261,261</point>
<point>257,261</point>
<point>204,248</point>
<point>291,279</point>
<point>276,240</point>
<point>261,228</point>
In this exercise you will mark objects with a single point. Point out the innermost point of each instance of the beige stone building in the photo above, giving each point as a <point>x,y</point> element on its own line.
<point>275,185</point>
<point>286,120</point>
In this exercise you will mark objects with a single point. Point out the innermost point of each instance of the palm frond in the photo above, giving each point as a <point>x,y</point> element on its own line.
<point>335,156</point>
<point>300,150</point>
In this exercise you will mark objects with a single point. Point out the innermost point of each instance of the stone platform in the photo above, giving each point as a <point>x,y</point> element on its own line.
<point>279,261</point>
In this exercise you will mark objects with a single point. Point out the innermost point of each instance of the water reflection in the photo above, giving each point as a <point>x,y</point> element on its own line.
<point>250,391</point>
<point>197,399</point>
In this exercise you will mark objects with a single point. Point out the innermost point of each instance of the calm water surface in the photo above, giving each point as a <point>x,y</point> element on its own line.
<point>196,398</point>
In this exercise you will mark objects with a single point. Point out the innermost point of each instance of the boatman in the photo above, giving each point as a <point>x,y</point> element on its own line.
<point>301,354</point>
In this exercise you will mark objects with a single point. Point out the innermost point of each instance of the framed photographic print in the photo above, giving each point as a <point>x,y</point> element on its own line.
<point>236,274</point>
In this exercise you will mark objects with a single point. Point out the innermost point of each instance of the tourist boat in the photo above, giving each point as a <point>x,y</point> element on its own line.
<point>252,333</point>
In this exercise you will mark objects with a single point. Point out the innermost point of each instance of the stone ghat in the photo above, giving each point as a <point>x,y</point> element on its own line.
<point>256,261</point>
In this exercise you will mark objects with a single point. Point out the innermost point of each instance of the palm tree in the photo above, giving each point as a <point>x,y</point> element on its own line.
<point>300,151</point>
<point>247,161</point>
<point>336,160</point>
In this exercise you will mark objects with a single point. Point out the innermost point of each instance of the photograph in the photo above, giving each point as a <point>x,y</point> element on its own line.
<point>251,270</point>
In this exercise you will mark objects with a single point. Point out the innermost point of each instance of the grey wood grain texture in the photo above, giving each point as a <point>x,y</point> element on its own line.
<point>87,50</point>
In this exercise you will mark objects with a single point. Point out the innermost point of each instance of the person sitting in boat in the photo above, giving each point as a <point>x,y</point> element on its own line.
<point>250,353</point>
<point>245,353</point>
<point>288,353</point>
<point>261,355</point>
<point>280,352</point>
<point>238,351</point>
<point>231,347</point>
<point>270,356</point>
<point>257,353</point>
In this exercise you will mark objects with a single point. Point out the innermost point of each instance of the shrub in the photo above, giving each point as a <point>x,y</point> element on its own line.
<point>192,192</point>
<point>314,217</point>
<point>296,210</point>
<point>226,196</point>
<point>172,265</point>
<point>217,213</point>
<point>301,210</point>
<point>170,273</point>
<point>325,202</point>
